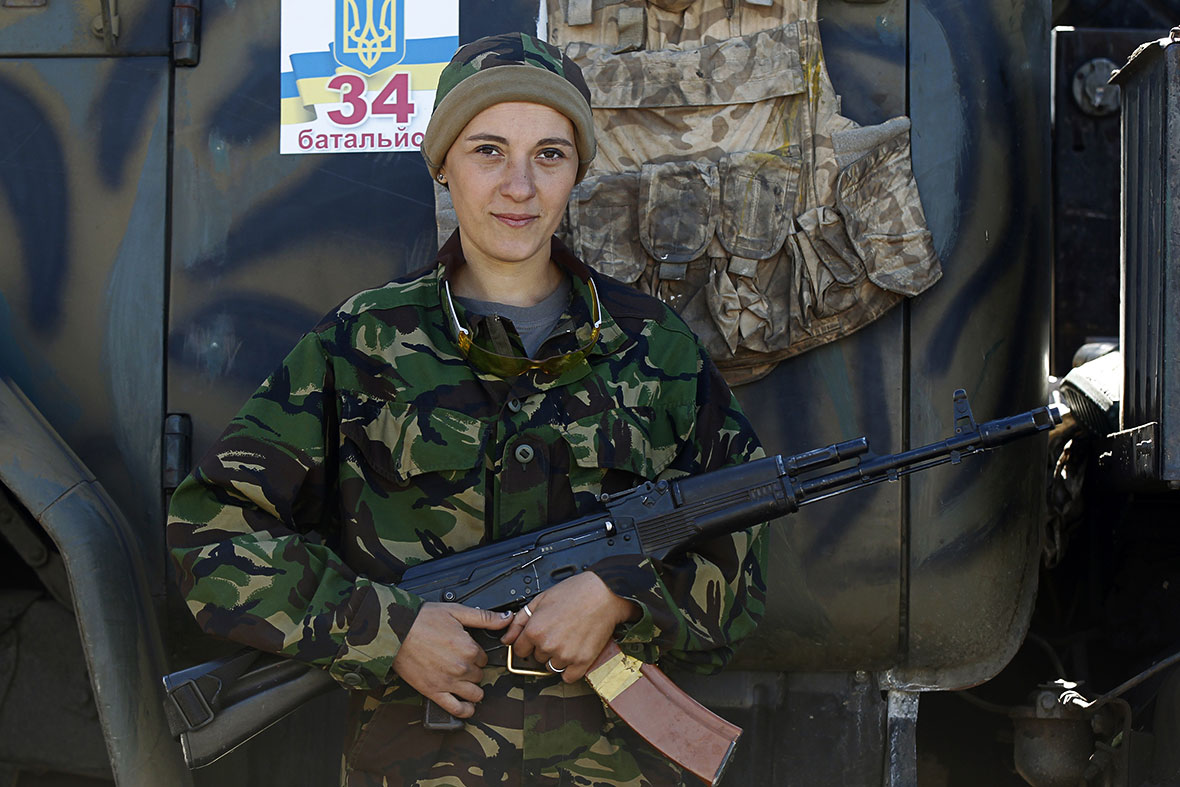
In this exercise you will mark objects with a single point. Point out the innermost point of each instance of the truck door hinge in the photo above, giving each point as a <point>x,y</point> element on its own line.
<point>106,24</point>
<point>178,449</point>
<point>186,29</point>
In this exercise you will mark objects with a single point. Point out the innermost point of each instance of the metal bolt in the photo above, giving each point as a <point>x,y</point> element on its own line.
<point>1091,89</point>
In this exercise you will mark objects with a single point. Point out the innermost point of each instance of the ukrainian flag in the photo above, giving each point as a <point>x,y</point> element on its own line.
<point>306,84</point>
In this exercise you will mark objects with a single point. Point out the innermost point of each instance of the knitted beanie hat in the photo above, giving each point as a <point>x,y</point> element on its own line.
<point>509,67</point>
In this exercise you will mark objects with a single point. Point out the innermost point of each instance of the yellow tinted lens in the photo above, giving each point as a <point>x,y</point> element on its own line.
<point>516,365</point>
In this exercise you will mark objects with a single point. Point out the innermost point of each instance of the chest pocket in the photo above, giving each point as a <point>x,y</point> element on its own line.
<point>620,448</point>
<point>411,479</point>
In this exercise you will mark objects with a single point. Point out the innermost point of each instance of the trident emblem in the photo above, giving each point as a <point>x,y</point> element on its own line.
<point>369,34</point>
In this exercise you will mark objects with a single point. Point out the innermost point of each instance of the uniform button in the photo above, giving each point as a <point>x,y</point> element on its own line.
<point>524,453</point>
<point>353,679</point>
<point>514,405</point>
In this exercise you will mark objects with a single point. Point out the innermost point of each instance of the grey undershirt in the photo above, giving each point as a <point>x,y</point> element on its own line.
<point>533,323</point>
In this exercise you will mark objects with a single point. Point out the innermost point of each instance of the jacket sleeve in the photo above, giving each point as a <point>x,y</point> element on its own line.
<point>697,607</point>
<point>251,533</point>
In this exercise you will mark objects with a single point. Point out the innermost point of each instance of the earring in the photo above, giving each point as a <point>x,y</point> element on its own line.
<point>441,178</point>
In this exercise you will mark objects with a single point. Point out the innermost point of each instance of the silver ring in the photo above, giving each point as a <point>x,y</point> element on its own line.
<point>554,669</point>
<point>527,611</point>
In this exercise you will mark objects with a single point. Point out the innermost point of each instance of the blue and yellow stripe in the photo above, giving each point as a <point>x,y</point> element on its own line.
<point>306,84</point>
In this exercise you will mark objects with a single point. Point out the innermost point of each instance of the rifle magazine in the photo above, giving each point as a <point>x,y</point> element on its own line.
<point>682,729</point>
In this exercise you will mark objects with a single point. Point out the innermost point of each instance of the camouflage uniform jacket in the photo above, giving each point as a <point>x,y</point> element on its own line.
<point>375,446</point>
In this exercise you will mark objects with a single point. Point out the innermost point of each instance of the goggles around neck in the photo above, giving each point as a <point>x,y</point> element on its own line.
<point>508,366</point>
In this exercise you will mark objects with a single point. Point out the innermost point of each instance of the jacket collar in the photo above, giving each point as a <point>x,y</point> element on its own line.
<point>576,323</point>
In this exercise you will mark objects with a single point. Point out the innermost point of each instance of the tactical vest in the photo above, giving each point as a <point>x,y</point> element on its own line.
<point>727,183</point>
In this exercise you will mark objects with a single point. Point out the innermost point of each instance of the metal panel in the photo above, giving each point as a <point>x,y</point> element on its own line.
<point>785,715</point>
<point>834,579</point>
<point>68,27</point>
<point>1151,246</point>
<point>932,585</point>
<point>82,198</point>
<point>111,602</point>
<point>979,100</point>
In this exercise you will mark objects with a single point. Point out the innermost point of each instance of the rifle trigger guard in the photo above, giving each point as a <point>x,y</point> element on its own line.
<point>515,670</point>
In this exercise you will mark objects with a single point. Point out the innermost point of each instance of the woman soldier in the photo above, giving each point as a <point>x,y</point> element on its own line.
<point>500,390</point>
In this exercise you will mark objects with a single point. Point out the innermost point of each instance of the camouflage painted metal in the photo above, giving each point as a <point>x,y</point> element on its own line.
<point>83,213</point>
<point>376,446</point>
<point>142,27</point>
<point>813,229</point>
<point>119,632</point>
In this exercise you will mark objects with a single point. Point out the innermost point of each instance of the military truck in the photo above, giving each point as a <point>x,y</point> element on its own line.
<point>952,628</point>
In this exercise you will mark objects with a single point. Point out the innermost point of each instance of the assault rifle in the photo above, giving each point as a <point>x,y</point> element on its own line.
<point>216,706</point>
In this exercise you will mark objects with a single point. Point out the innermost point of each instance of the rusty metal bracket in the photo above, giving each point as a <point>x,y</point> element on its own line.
<point>902,739</point>
<point>106,24</point>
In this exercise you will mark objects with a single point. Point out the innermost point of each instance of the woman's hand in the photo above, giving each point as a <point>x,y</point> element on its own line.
<point>441,660</point>
<point>570,624</point>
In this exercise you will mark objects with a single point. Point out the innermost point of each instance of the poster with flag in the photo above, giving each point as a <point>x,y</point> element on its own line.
<point>360,75</point>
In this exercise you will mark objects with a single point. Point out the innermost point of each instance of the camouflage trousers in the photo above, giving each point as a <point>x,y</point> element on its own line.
<point>527,731</point>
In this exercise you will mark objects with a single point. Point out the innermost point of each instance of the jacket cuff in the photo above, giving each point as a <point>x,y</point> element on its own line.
<point>381,617</point>
<point>632,577</point>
